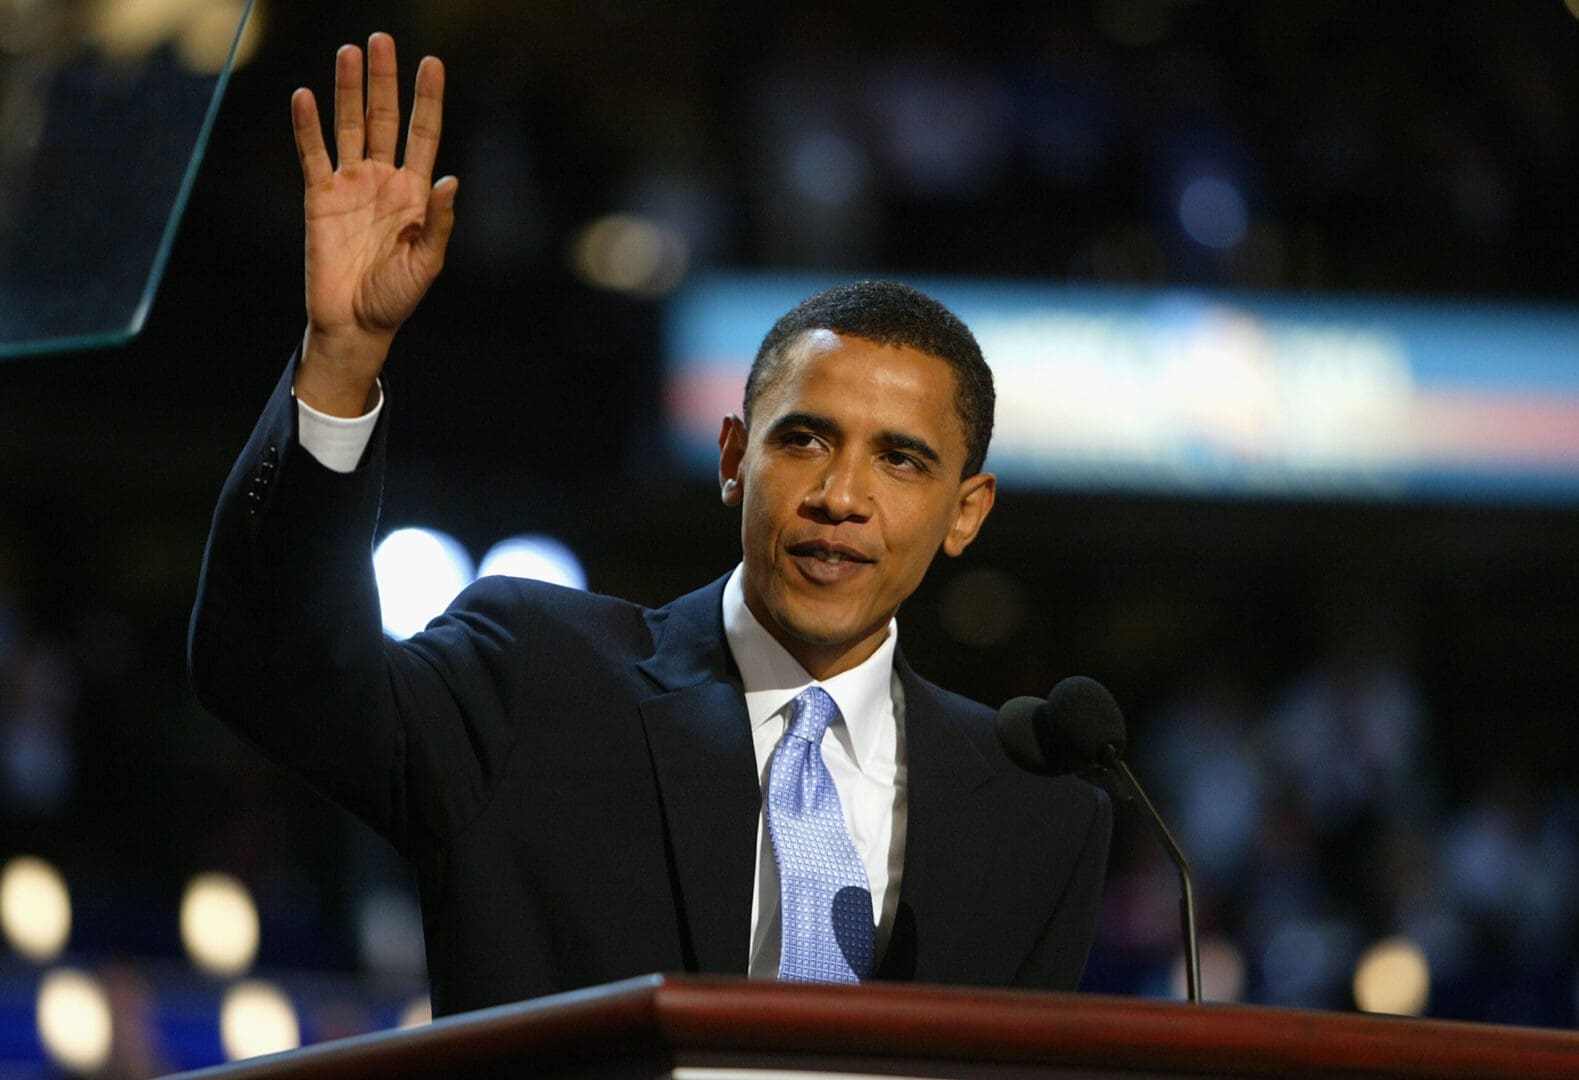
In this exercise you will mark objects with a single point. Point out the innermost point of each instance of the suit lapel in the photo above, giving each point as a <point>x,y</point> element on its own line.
<point>699,736</point>
<point>946,821</point>
<point>700,739</point>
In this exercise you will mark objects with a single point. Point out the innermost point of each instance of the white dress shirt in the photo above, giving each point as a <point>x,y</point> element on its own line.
<point>864,748</point>
<point>337,442</point>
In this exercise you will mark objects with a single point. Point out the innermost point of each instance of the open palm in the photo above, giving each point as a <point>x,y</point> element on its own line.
<point>376,232</point>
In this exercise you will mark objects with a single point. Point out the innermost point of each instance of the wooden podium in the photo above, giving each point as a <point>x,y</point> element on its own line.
<point>728,1029</point>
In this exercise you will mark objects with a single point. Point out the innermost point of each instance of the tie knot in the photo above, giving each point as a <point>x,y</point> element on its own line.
<point>810,714</point>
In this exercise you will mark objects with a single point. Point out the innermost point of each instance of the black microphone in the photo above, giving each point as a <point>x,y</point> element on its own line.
<point>1080,729</point>
<point>1067,732</point>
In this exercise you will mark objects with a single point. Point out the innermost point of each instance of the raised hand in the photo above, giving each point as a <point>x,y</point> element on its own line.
<point>376,232</point>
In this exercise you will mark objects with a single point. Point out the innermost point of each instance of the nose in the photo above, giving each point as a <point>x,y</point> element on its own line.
<point>843,491</point>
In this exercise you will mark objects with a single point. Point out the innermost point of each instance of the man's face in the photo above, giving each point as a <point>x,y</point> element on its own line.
<point>848,484</point>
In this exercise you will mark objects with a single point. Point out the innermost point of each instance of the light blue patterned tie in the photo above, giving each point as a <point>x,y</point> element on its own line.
<point>825,896</point>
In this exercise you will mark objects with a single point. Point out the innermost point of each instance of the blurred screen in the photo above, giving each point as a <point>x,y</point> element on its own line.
<point>1173,391</point>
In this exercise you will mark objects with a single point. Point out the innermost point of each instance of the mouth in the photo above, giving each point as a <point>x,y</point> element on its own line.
<point>829,551</point>
<point>826,561</point>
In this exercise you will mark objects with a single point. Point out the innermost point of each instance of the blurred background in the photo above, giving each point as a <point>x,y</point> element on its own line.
<point>1356,702</point>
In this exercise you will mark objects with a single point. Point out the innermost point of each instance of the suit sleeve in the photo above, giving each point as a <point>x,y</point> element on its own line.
<point>286,645</point>
<point>1065,942</point>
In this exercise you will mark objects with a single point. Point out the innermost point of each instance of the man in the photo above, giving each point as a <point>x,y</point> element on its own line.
<point>749,780</point>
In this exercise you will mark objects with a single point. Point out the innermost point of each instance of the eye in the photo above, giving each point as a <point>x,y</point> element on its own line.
<point>799,439</point>
<point>899,459</point>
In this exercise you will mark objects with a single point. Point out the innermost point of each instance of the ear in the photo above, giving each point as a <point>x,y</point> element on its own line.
<point>976,496</point>
<point>731,452</point>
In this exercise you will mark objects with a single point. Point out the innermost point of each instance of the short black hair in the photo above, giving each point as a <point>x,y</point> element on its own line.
<point>889,313</point>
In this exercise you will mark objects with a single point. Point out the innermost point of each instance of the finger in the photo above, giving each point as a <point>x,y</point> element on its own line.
<point>427,118</point>
<point>438,224</point>
<point>383,99</point>
<point>310,150</point>
<point>348,104</point>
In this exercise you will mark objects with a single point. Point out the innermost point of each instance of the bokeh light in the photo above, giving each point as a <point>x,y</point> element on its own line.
<point>1305,960</point>
<point>538,558</point>
<point>1393,976</point>
<point>827,168</point>
<point>132,28</point>
<point>419,571</point>
<point>1213,212</point>
<point>202,31</point>
<point>631,254</point>
<point>981,608</point>
<point>257,1018</point>
<point>219,924</point>
<point>35,908</point>
<point>74,1021</point>
<point>206,41</point>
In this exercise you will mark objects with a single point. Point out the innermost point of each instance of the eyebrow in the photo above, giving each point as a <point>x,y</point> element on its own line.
<point>822,425</point>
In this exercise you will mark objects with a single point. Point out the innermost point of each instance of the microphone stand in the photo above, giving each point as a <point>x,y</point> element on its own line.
<point>1192,949</point>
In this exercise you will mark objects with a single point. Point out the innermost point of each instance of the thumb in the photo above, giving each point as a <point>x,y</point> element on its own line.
<point>439,221</point>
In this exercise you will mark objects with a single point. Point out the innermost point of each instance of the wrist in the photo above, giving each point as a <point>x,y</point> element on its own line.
<point>338,373</point>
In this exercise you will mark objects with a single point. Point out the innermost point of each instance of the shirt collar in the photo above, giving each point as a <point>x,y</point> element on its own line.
<point>772,677</point>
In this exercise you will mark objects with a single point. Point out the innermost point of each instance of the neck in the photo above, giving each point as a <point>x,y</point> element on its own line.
<point>823,662</point>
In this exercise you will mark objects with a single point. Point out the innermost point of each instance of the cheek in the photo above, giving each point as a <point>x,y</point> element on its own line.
<point>920,536</point>
<point>756,524</point>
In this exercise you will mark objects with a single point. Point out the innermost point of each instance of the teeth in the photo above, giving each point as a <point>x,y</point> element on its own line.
<point>829,556</point>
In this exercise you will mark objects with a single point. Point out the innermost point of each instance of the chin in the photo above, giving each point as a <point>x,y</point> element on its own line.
<point>834,631</point>
<point>816,632</point>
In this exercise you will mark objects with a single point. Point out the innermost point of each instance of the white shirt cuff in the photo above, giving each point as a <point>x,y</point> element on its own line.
<point>337,442</point>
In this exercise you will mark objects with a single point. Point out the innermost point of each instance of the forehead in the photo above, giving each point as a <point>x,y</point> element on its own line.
<point>858,383</point>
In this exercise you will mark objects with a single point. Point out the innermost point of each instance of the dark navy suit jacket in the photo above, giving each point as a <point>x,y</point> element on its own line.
<point>572,776</point>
